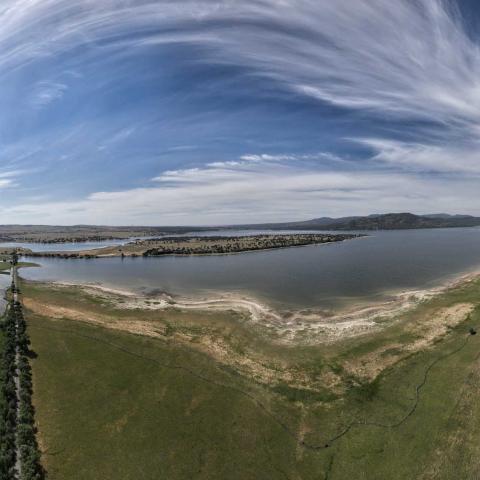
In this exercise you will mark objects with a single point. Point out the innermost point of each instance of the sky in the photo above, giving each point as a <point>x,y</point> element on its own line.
<point>189,112</point>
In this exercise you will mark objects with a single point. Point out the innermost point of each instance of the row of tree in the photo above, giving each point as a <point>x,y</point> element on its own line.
<point>8,400</point>
<point>17,429</point>
<point>26,432</point>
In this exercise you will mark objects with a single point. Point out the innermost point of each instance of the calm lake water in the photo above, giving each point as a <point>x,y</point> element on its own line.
<point>324,276</point>
<point>68,246</point>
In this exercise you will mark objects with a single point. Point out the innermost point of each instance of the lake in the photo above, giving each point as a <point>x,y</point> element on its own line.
<point>67,246</point>
<point>321,276</point>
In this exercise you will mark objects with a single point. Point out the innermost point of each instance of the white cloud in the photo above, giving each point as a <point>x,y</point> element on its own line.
<point>405,58</point>
<point>45,93</point>
<point>455,159</point>
<point>250,192</point>
<point>267,158</point>
<point>7,178</point>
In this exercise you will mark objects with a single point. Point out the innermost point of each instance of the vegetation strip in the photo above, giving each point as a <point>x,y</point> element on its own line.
<point>198,245</point>
<point>19,452</point>
<point>290,432</point>
<point>8,405</point>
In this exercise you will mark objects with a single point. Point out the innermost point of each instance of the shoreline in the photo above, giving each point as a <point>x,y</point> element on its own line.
<point>302,326</point>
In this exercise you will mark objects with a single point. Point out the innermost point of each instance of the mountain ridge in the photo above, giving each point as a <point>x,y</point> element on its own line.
<point>386,221</point>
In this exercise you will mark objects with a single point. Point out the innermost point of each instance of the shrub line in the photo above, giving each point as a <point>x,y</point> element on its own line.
<point>19,451</point>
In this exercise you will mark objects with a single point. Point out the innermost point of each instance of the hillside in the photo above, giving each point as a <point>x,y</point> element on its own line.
<point>389,221</point>
<point>82,233</point>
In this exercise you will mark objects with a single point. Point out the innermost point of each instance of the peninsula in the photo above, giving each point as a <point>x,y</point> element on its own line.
<point>199,245</point>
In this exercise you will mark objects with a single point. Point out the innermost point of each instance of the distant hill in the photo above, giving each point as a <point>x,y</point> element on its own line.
<point>388,221</point>
<point>82,233</point>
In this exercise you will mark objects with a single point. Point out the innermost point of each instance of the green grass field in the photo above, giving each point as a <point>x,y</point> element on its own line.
<point>113,405</point>
<point>4,265</point>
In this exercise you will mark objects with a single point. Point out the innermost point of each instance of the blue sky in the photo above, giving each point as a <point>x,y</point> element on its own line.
<point>213,112</point>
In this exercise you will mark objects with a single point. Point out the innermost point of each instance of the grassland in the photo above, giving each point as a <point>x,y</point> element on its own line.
<point>4,262</point>
<point>6,265</point>
<point>146,394</point>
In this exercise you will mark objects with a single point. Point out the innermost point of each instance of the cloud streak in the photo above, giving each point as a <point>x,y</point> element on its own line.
<point>7,178</point>
<point>406,58</point>
<point>409,65</point>
<point>250,192</point>
<point>45,93</point>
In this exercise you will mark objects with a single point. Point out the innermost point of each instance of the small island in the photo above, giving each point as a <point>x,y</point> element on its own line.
<point>200,245</point>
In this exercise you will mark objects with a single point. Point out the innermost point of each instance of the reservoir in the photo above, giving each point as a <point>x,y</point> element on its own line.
<point>321,276</point>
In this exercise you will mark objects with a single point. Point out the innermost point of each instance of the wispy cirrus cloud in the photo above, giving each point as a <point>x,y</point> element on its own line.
<point>409,65</point>
<point>45,93</point>
<point>406,58</point>
<point>460,159</point>
<point>6,182</point>
<point>8,178</point>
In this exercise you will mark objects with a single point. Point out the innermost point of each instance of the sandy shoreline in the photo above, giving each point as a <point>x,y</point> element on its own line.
<point>305,326</point>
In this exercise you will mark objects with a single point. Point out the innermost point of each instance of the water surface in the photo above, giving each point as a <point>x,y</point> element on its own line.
<point>323,276</point>
<point>66,246</point>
